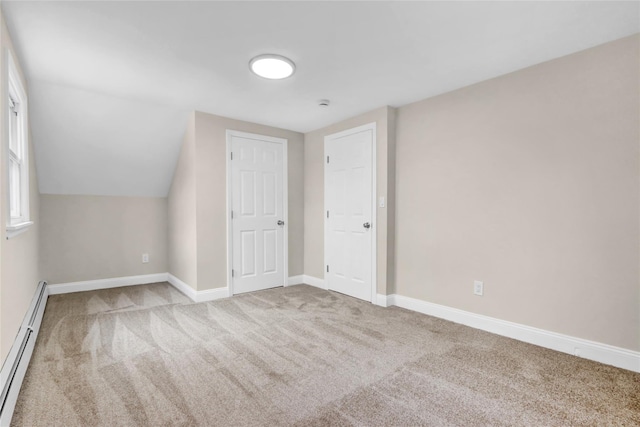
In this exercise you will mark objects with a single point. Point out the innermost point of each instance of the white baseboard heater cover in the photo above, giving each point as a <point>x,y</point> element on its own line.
<point>15,366</point>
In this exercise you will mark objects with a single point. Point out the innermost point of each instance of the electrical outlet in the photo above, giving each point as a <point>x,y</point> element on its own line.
<point>478,287</point>
<point>145,258</point>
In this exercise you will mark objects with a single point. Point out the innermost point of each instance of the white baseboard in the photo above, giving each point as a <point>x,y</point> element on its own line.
<point>313,281</point>
<point>115,282</point>
<point>382,300</point>
<point>211,294</point>
<point>603,353</point>
<point>198,296</point>
<point>295,280</point>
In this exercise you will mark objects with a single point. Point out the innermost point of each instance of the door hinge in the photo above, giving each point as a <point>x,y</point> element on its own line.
<point>327,159</point>
<point>327,214</point>
<point>233,272</point>
<point>231,214</point>
<point>327,268</point>
<point>232,155</point>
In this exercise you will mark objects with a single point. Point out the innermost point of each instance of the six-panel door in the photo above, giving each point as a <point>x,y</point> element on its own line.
<point>257,207</point>
<point>348,198</point>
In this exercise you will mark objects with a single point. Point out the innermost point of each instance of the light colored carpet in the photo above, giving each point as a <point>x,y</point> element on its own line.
<point>145,355</point>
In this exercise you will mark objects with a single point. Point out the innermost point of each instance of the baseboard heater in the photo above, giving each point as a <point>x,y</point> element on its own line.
<point>15,366</point>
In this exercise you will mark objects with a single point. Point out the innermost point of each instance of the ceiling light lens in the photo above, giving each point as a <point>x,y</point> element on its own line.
<point>272,66</point>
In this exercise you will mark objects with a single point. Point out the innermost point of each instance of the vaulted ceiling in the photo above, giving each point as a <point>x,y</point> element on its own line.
<point>111,83</point>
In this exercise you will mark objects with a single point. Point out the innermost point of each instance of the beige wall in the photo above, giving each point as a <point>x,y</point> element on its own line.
<point>182,211</point>
<point>101,237</point>
<point>314,193</point>
<point>529,182</point>
<point>197,201</point>
<point>19,274</point>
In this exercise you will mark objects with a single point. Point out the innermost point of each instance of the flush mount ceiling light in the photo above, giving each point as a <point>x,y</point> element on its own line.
<point>274,67</point>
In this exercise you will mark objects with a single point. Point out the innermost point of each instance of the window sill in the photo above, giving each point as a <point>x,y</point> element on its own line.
<point>15,229</point>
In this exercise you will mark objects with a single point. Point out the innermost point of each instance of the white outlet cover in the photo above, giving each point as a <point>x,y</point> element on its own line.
<point>478,287</point>
<point>145,258</point>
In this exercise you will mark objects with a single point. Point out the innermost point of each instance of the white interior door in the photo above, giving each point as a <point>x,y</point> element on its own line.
<point>349,216</point>
<point>258,212</point>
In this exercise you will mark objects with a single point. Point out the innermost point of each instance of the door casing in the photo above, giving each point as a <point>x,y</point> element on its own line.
<point>374,223</point>
<point>285,200</point>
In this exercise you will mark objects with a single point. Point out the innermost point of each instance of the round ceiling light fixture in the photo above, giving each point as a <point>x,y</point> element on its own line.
<point>273,67</point>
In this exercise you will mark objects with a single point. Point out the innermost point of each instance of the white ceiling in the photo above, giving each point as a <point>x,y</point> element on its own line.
<point>111,83</point>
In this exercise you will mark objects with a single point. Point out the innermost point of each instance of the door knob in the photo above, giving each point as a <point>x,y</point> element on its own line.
<point>280,222</point>
<point>366,225</point>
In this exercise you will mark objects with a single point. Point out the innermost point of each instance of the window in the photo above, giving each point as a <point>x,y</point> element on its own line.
<point>18,155</point>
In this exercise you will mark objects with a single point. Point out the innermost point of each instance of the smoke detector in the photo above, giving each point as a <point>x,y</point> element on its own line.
<point>323,103</point>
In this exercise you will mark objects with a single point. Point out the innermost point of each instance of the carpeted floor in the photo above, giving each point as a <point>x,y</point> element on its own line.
<point>301,356</point>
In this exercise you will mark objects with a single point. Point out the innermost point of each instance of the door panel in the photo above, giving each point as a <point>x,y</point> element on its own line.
<point>348,200</point>
<point>257,204</point>
<point>248,251</point>
<point>248,193</point>
<point>270,250</point>
<point>269,191</point>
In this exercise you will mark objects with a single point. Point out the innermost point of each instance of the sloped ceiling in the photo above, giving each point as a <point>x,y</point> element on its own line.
<point>111,83</point>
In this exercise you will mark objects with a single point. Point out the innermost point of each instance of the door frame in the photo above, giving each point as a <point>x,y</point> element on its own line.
<point>374,197</point>
<point>285,201</point>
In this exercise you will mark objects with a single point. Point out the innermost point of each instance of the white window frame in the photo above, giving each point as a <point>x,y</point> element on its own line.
<point>18,217</point>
